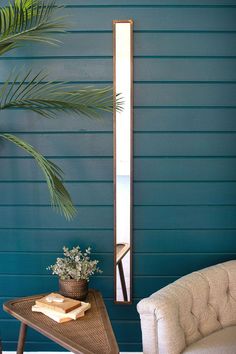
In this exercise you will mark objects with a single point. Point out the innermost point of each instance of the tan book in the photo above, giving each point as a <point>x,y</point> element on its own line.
<point>58,303</point>
<point>63,317</point>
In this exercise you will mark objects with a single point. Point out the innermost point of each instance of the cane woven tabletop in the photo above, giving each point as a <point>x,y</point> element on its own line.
<point>91,334</point>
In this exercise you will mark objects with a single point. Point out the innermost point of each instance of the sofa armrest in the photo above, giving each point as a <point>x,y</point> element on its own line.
<point>161,329</point>
<point>146,309</point>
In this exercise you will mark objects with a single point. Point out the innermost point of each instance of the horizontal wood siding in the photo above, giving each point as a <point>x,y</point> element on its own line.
<point>184,155</point>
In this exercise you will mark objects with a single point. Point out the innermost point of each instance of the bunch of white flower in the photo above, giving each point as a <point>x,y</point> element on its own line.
<point>75,264</point>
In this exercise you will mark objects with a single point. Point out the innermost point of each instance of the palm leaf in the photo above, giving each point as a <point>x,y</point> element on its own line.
<point>28,20</point>
<point>60,198</point>
<point>49,98</point>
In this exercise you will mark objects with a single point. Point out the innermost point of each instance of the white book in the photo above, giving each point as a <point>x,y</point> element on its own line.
<point>63,317</point>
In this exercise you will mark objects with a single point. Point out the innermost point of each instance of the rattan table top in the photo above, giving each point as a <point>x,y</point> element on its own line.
<point>91,334</point>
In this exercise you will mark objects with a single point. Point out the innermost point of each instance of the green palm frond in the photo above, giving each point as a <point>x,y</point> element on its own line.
<point>27,4</point>
<point>60,198</point>
<point>28,20</point>
<point>34,20</point>
<point>49,98</point>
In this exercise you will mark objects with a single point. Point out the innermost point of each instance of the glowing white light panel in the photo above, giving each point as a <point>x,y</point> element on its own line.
<point>123,158</point>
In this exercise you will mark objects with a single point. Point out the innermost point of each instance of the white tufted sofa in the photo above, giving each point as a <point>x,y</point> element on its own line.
<point>194,315</point>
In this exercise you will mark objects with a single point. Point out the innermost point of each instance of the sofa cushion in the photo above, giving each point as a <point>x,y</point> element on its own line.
<point>220,342</point>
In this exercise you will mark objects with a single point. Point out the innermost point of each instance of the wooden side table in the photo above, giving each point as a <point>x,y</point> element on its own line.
<point>91,334</point>
<point>121,250</point>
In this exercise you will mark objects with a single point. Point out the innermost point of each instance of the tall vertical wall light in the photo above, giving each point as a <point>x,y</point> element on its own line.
<point>123,159</point>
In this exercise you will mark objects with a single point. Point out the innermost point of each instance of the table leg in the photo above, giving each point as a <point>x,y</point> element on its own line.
<point>122,280</point>
<point>21,340</point>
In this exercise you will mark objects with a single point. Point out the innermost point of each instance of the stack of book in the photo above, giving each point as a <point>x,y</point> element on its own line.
<point>59,308</point>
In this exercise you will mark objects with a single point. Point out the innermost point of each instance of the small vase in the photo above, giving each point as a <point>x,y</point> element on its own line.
<point>75,289</point>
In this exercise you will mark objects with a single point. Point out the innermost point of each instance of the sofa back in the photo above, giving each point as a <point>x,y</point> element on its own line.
<point>188,309</point>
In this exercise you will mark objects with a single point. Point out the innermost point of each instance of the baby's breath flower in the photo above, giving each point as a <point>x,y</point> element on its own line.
<point>75,264</point>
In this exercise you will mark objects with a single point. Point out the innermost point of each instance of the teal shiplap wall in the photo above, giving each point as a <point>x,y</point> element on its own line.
<point>184,164</point>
